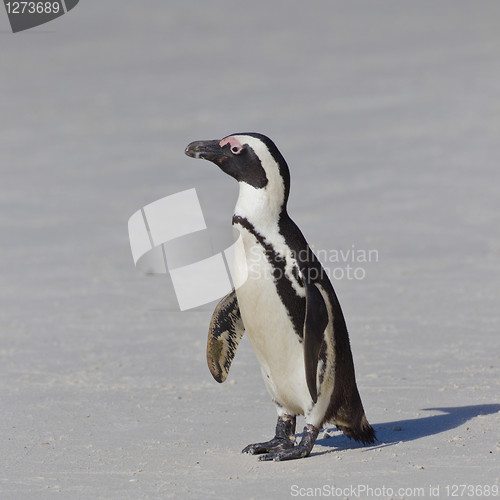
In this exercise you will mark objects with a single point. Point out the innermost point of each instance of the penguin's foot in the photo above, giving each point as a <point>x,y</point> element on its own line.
<point>283,440</point>
<point>303,449</point>
<point>276,445</point>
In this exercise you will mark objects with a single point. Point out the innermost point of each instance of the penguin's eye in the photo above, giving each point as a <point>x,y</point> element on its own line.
<point>236,149</point>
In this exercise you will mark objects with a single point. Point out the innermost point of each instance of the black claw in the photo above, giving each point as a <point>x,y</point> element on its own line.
<point>298,451</point>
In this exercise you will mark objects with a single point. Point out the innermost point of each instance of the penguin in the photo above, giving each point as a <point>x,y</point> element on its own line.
<point>287,306</point>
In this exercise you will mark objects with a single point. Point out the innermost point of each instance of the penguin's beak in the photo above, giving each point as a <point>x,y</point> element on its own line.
<point>208,150</point>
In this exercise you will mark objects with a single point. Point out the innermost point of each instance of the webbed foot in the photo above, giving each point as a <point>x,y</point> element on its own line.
<point>282,441</point>
<point>276,445</point>
<point>303,449</point>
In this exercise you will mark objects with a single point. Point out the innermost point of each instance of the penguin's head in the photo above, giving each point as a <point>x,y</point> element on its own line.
<point>252,159</point>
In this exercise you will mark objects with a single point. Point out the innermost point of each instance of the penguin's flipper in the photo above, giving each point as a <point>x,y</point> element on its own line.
<point>224,334</point>
<point>314,328</point>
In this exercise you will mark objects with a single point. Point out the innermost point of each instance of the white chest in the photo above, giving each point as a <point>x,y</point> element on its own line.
<point>268,325</point>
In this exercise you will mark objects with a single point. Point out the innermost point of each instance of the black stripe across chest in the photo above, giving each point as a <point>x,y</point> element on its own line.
<point>294,304</point>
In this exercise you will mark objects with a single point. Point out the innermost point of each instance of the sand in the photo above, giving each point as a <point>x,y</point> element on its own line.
<point>388,114</point>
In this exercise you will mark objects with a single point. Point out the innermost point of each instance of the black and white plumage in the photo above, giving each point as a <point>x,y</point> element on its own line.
<point>286,306</point>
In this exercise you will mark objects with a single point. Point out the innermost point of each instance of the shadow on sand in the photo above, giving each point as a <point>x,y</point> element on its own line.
<point>408,430</point>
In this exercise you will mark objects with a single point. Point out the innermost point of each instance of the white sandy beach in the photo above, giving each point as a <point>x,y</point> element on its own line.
<point>388,114</point>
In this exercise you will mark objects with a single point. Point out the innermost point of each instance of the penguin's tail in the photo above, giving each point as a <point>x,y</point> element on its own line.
<point>362,433</point>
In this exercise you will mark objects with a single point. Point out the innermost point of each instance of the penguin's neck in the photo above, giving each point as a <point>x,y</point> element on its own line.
<point>262,207</point>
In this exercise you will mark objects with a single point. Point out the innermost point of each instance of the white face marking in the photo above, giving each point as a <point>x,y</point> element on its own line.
<point>260,206</point>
